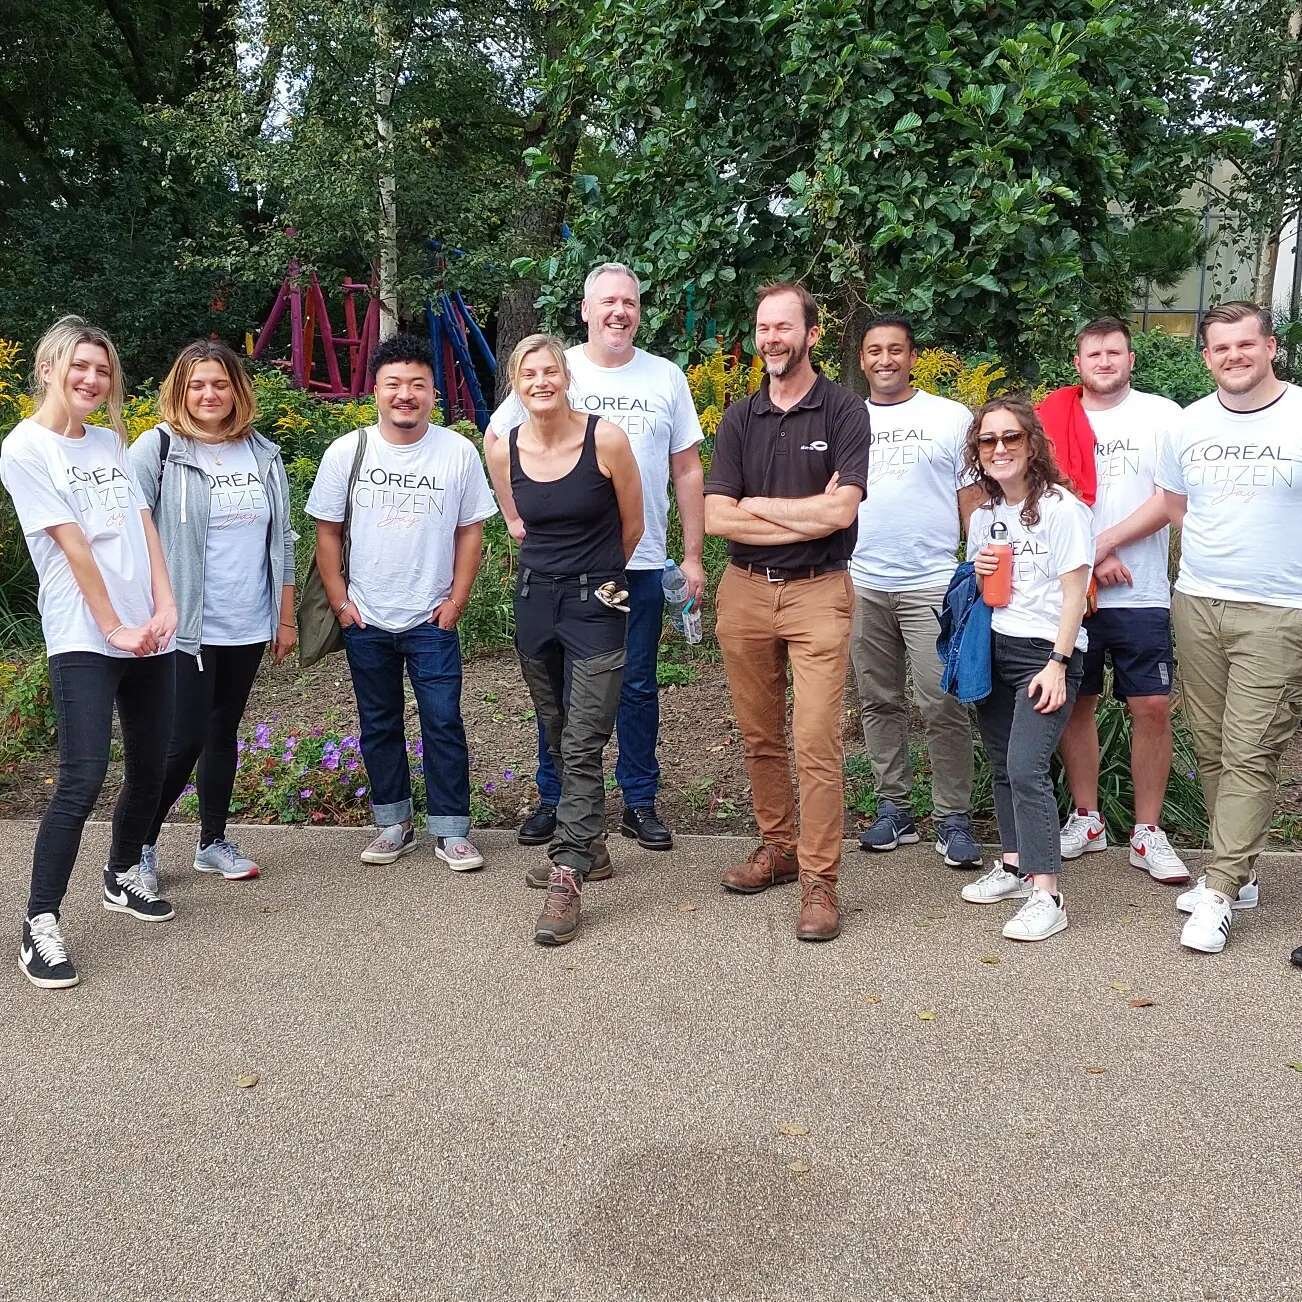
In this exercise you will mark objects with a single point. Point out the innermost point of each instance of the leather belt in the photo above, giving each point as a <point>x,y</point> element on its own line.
<point>784,574</point>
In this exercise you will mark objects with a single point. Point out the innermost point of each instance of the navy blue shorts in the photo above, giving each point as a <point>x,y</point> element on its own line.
<point>1138,641</point>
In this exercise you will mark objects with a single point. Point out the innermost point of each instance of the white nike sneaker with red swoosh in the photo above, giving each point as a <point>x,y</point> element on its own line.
<point>1082,833</point>
<point>1151,851</point>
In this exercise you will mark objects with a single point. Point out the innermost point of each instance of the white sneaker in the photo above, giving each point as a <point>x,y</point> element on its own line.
<point>995,885</point>
<point>1208,927</point>
<point>1249,896</point>
<point>1039,918</point>
<point>1151,851</point>
<point>224,857</point>
<point>149,868</point>
<point>1082,833</point>
<point>458,852</point>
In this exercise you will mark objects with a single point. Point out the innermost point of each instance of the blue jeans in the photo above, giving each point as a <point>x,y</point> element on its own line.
<point>432,657</point>
<point>637,772</point>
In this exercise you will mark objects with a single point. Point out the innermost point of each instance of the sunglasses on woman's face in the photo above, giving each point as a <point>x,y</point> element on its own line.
<point>1012,440</point>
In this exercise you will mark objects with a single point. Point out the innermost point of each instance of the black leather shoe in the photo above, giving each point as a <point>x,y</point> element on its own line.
<point>645,825</point>
<point>1297,956</point>
<point>539,827</point>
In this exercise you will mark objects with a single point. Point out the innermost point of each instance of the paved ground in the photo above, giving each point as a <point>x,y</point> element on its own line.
<point>445,1110</point>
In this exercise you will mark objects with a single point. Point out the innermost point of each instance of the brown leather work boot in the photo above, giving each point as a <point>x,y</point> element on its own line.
<point>820,918</point>
<point>766,866</point>
<point>540,873</point>
<point>558,923</point>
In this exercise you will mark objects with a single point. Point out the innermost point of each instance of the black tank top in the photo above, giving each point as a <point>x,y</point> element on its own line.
<point>571,524</point>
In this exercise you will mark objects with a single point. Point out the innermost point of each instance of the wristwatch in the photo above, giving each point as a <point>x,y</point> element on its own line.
<point>1058,658</point>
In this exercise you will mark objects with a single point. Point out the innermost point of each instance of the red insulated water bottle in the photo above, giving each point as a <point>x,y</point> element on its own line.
<point>997,590</point>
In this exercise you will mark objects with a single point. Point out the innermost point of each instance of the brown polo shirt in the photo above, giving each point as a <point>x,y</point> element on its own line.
<point>763,451</point>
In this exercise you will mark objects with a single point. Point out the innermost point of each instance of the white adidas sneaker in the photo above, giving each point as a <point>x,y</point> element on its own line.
<point>1249,896</point>
<point>1208,927</point>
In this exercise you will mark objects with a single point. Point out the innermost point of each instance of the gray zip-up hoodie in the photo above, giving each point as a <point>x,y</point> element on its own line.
<point>181,499</point>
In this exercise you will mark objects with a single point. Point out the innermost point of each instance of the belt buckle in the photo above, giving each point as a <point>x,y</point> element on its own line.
<point>768,574</point>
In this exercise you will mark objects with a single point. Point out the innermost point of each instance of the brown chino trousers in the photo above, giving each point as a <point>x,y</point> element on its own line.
<point>762,628</point>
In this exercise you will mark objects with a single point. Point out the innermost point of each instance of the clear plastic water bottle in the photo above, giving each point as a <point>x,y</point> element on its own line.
<point>682,608</point>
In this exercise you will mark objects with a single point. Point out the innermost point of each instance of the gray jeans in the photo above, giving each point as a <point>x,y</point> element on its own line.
<point>1020,742</point>
<point>888,626</point>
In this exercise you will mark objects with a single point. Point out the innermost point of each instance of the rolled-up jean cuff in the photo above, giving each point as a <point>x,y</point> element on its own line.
<point>389,815</point>
<point>447,825</point>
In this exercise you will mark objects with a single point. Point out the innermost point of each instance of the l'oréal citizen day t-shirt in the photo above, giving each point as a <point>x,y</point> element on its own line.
<point>408,503</point>
<point>908,520</point>
<point>1062,541</point>
<point>1128,443</point>
<point>237,597</point>
<point>87,482</point>
<point>649,400</point>
<point>1242,472</point>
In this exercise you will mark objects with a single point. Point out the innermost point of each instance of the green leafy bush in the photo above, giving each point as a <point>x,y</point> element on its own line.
<point>27,720</point>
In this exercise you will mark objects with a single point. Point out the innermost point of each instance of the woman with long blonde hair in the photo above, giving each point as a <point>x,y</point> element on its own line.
<point>220,497</point>
<point>108,617</point>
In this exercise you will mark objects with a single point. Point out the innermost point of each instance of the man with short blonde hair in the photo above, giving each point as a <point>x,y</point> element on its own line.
<point>1231,475</point>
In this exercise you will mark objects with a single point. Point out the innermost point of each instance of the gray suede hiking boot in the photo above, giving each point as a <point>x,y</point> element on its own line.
<point>540,874</point>
<point>558,923</point>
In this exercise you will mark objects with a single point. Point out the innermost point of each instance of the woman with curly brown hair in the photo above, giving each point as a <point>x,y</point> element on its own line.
<point>1037,652</point>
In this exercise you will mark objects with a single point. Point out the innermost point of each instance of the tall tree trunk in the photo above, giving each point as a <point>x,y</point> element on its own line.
<point>1290,85</point>
<point>385,81</point>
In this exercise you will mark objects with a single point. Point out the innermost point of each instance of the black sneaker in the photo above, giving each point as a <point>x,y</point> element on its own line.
<point>43,955</point>
<point>127,893</point>
<point>539,827</point>
<point>644,824</point>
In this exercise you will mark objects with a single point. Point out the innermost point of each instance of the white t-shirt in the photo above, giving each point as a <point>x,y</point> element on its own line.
<point>1242,473</point>
<point>908,519</point>
<point>237,600</point>
<point>1128,444</point>
<point>1062,541</point>
<point>87,481</point>
<point>408,503</point>
<point>649,400</point>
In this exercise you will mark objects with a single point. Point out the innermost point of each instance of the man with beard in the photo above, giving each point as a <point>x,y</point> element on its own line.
<point>1132,623</point>
<point>1231,475</point>
<point>648,398</point>
<point>902,565</point>
<point>788,473</point>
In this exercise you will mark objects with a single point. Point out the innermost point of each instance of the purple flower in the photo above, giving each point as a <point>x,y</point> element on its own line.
<point>262,736</point>
<point>330,762</point>
<point>352,766</point>
<point>348,743</point>
<point>305,794</point>
<point>241,746</point>
<point>290,743</point>
<point>489,788</point>
<point>361,791</point>
<point>188,789</point>
<point>508,776</point>
<point>268,782</point>
<point>419,749</point>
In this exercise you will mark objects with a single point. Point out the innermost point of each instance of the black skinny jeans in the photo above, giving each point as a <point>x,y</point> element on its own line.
<point>85,686</point>
<point>209,707</point>
<point>1019,743</point>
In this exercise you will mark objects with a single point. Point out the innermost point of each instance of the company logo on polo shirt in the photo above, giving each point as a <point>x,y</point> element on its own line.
<point>1237,469</point>
<point>818,445</point>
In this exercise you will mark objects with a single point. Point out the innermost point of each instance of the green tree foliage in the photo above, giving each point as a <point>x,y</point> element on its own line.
<point>972,162</point>
<point>94,197</point>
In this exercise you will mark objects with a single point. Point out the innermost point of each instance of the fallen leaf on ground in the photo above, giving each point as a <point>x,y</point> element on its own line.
<point>991,959</point>
<point>1119,986</point>
<point>1296,1066</point>
<point>926,1015</point>
<point>1095,1071</point>
<point>248,1081</point>
<point>687,906</point>
<point>1142,1001</point>
<point>799,1168</point>
<point>872,999</point>
<point>792,1128</point>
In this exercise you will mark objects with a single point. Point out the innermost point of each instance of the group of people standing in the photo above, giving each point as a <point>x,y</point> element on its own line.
<point>167,573</point>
